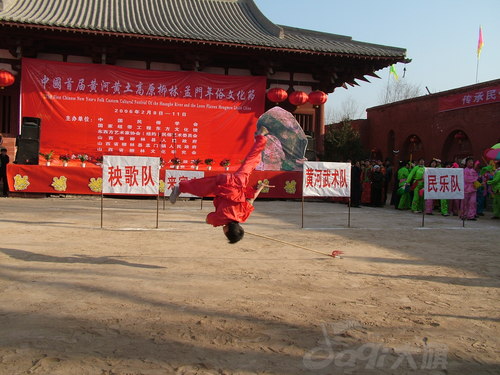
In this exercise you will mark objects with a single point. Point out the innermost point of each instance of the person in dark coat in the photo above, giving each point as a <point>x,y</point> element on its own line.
<point>356,187</point>
<point>4,160</point>
<point>377,180</point>
<point>387,179</point>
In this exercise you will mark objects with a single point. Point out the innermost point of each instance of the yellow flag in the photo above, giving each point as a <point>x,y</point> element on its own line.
<point>393,72</point>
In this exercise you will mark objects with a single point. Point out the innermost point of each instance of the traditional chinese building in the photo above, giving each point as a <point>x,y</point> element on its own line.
<point>227,37</point>
<point>448,125</point>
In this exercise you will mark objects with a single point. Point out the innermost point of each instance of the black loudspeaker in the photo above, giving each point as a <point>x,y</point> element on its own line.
<point>28,142</point>
<point>30,128</point>
<point>27,151</point>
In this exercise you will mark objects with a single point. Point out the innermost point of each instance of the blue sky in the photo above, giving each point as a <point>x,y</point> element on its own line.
<point>440,37</point>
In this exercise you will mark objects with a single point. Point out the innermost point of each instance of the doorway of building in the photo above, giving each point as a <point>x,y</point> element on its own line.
<point>413,148</point>
<point>457,146</point>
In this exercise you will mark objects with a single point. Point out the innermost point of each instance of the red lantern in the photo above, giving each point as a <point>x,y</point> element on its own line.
<point>277,95</point>
<point>317,98</point>
<point>6,78</point>
<point>460,136</point>
<point>298,98</point>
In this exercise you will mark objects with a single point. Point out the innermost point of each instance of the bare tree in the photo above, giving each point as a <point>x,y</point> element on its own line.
<point>343,142</point>
<point>349,110</point>
<point>399,90</point>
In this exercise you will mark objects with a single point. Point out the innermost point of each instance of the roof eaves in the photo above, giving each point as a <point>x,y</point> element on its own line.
<point>197,41</point>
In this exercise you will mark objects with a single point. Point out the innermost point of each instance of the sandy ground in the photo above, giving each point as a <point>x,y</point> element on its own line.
<point>130,299</point>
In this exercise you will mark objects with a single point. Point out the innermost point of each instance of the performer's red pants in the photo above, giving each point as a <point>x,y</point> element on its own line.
<point>206,186</point>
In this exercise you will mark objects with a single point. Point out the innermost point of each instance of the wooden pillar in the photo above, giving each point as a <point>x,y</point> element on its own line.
<point>320,129</point>
<point>9,109</point>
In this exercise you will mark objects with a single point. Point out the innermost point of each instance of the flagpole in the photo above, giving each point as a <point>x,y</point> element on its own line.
<point>477,68</point>
<point>480,43</point>
<point>387,89</point>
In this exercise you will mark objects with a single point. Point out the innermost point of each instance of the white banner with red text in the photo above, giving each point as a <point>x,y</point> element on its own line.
<point>444,183</point>
<point>174,176</point>
<point>326,179</point>
<point>137,175</point>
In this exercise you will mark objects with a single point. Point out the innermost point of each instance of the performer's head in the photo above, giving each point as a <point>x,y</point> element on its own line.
<point>233,231</point>
<point>469,162</point>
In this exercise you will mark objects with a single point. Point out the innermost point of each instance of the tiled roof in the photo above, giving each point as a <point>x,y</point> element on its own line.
<point>237,22</point>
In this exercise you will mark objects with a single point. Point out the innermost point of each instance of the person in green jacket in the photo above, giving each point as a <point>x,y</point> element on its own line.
<point>495,188</point>
<point>404,201</point>
<point>416,181</point>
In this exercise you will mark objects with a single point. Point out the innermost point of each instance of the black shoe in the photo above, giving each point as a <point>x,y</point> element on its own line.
<point>175,194</point>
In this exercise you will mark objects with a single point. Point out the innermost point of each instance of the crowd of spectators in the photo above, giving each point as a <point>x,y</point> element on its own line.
<point>376,183</point>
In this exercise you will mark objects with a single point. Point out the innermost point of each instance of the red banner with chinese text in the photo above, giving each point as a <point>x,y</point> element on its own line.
<point>107,110</point>
<point>78,180</point>
<point>486,95</point>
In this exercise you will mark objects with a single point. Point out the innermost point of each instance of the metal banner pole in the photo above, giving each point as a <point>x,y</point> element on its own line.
<point>302,198</point>
<point>349,214</point>
<point>302,210</point>
<point>201,205</point>
<point>461,213</point>
<point>164,190</point>
<point>157,208</point>
<point>102,202</point>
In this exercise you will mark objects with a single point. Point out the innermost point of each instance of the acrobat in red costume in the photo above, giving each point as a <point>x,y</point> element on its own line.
<point>233,197</point>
